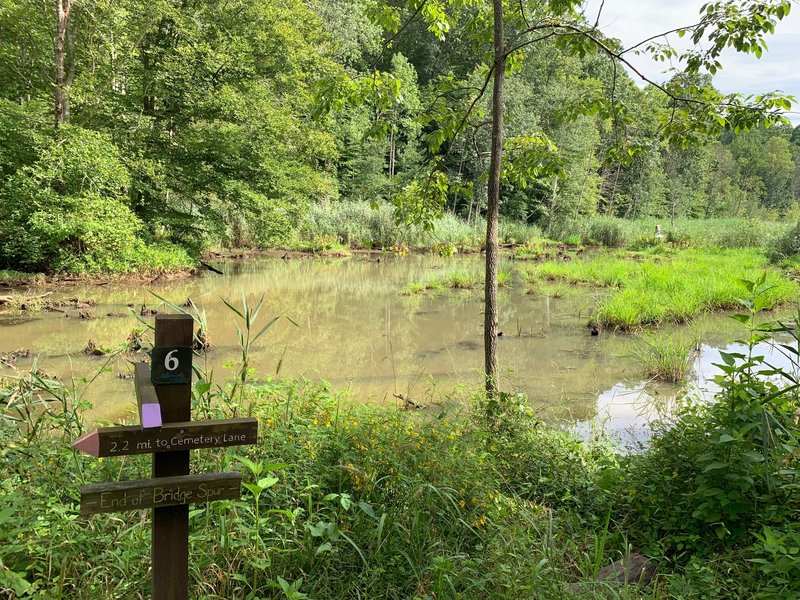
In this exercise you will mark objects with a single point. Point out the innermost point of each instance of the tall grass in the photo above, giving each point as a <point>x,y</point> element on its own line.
<point>339,500</point>
<point>666,287</point>
<point>360,225</point>
<point>613,232</point>
<point>664,358</point>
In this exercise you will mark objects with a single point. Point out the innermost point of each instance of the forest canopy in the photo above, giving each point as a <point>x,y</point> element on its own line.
<point>183,126</point>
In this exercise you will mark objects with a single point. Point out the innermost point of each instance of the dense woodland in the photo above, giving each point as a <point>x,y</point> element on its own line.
<point>152,131</point>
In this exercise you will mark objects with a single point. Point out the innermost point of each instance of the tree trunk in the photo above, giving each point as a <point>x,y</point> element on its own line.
<point>492,210</point>
<point>62,18</point>
<point>551,210</point>
<point>392,151</point>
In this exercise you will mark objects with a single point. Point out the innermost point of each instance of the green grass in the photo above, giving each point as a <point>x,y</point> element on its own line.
<point>456,280</point>
<point>359,225</point>
<point>348,500</point>
<point>664,357</point>
<point>537,249</point>
<point>471,497</point>
<point>652,289</point>
<point>684,233</point>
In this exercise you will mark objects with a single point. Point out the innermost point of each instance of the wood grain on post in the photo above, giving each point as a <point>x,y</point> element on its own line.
<point>170,437</point>
<point>170,548</point>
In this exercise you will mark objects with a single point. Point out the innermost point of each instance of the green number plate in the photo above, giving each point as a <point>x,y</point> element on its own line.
<point>171,365</point>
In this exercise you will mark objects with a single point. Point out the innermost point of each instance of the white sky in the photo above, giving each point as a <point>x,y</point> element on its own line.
<point>778,69</point>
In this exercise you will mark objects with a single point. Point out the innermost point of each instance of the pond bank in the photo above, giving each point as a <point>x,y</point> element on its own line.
<point>354,328</point>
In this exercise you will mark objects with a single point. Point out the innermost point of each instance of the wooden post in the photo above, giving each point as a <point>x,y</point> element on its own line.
<point>167,385</point>
<point>170,540</point>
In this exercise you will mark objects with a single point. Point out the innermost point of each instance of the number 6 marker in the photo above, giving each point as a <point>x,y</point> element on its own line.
<point>172,365</point>
<point>170,361</point>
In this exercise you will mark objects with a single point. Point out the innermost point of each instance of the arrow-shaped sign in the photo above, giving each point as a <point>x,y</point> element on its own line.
<point>171,437</point>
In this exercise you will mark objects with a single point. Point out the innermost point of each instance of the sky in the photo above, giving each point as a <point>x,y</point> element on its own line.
<point>778,69</point>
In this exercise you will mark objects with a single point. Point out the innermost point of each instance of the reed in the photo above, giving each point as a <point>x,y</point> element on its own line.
<point>667,358</point>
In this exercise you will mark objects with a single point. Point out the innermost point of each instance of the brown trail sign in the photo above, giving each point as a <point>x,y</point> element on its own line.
<point>170,437</point>
<point>163,491</point>
<point>166,430</point>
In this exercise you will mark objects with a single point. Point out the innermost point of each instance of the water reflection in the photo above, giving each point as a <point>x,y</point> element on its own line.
<point>626,409</point>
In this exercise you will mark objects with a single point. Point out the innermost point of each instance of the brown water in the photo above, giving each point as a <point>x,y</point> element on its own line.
<point>355,330</point>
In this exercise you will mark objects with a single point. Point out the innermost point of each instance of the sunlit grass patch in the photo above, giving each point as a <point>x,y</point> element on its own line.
<point>536,248</point>
<point>457,280</point>
<point>652,289</point>
<point>420,287</point>
<point>462,280</point>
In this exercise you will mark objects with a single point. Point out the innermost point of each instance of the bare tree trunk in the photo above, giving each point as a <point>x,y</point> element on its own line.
<point>391,155</point>
<point>62,18</point>
<point>70,66</point>
<point>493,204</point>
<point>614,190</point>
<point>551,210</point>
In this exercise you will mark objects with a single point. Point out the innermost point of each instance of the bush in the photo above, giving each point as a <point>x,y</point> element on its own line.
<point>68,212</point>
<point>720,473</point>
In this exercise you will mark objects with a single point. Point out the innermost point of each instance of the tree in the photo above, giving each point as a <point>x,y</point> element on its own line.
<point>62,22</point>
<point>504,31</point>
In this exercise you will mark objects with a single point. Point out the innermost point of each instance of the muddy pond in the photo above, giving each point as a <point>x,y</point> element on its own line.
<point>354,328</point>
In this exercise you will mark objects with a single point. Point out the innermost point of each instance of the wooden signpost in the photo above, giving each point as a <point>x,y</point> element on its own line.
<point>164,395</point>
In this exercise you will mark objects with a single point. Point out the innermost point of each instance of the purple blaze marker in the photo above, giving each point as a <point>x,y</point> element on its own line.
<point>151,416</point>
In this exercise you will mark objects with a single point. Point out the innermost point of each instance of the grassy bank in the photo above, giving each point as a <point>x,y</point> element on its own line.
<point>336,228</point>
<point>666,286</point>
<point>682,233</point>
<point>359,225</point>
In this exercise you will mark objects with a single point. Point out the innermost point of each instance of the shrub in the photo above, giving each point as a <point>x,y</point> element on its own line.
<point>68,211</point>
<point>785,246</point>
<point>720,473</point>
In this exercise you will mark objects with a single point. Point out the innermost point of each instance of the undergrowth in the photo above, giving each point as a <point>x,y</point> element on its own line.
<point>458,500</point>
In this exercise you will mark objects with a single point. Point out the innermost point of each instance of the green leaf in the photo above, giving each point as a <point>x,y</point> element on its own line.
<point>326,547</point>
<point>267,482</point>
<point>366,508</point>
<point>254,489</point>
